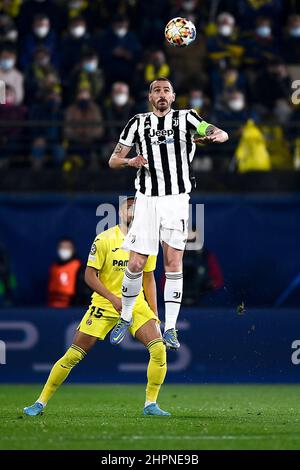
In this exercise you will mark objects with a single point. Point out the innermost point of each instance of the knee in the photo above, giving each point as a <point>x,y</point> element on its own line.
<point>158,353</point>
<point>173,265</point>
<point>72,357</point>
<point>137,263</point>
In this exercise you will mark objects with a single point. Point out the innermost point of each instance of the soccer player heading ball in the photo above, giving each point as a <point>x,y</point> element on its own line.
<point>165,145</point>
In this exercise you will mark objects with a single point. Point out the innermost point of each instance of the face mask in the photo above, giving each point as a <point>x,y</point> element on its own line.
<point>90,66</point>
<point>295,32</point>
<point>121,32</point>
<point>263,31</point>
<point>7,64</point>
<point>196,102</point>
<point>236,105</point>
<point>225,30</point>
<point>12,35</point>
<point>64,254</point>
<point>78,31</point>
<point>42,31</point>
<point>188,5</point>
<point>121,99</point>
<point>83,103</point>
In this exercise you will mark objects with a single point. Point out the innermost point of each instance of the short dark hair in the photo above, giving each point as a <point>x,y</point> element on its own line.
<point>160,79</point>
<point>66,238</point>
<point>40,16</point>
<point>127,199</point>
<point>76,19</point>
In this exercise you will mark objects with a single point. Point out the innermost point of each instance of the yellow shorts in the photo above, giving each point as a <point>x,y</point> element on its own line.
<point>98,322</point>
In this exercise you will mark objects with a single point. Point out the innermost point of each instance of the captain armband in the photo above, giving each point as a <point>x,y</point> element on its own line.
<point>202,127</point>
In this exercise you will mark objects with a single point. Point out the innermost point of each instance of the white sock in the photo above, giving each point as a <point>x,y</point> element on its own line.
<point>147,403</point>
<point>131,287</point>
<point>173,297</point>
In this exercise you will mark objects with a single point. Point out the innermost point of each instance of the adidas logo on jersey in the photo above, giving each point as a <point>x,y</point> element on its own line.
<point>161,133</point>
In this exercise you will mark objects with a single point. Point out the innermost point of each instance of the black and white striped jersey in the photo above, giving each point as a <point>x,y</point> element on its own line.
<point>167,143</point>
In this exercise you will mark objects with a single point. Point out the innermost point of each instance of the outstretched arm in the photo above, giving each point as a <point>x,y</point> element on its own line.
<point>119,158</point>
<point>210,134</point>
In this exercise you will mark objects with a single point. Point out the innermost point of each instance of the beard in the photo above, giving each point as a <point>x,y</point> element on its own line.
<point>162,105</point>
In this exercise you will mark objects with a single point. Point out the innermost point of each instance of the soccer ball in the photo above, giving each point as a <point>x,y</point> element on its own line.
<point>180,32</point>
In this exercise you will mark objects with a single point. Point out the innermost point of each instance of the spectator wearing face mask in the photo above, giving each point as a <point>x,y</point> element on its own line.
<point>40,76</point>
<point>228,80</point>
<point>48,8</point>
<point>12,138</point>
<point>41,35</point>
<point>291,41</point>
<point>87,74</point>
<point>118,111</point>
<point>225,49</point>
<point>263,45</point>
<point>83,127</point>
<point>198,101</point>
<point>8,30</point>
<point>10,74</point>
<point>76,41</point>
<point>63,275</point>
<point>247,11</point>
<point>120,51</point>
<point>47,140</point>
<point>233,113</point>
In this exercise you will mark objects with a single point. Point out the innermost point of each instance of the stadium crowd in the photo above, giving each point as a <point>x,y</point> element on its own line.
<point>76,71</point>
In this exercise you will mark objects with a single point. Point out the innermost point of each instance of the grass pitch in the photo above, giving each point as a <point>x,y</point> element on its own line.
<point>109,417</point>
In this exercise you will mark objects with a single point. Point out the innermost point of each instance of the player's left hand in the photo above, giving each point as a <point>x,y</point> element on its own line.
<point>218,137</point>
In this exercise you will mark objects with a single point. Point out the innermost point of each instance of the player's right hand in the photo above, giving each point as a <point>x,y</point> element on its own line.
<point>117,304</point>
<point>137,162</point>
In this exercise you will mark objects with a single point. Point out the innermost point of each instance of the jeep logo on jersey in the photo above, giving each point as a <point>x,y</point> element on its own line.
<point>161,133</point>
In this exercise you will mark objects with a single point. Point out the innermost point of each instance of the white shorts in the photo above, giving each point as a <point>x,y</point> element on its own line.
<point>158,219</point>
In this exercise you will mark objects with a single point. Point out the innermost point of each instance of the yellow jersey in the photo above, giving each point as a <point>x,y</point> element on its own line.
<point>107,257</point>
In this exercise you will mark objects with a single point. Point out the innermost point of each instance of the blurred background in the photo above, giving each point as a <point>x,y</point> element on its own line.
<point>75,72</point>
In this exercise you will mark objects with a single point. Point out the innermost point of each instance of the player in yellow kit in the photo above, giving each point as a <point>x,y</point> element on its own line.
<point>104,274</point>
